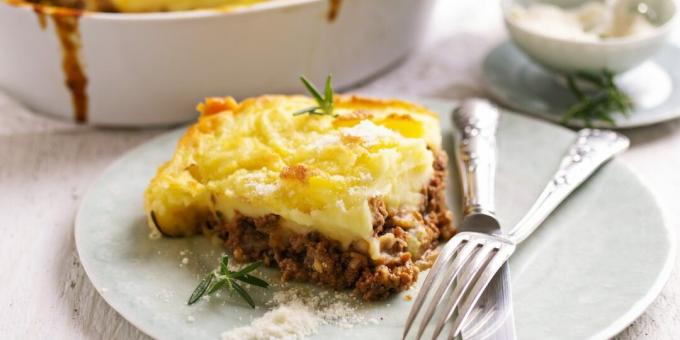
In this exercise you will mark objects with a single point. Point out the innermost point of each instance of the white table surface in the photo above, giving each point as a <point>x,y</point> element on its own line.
<point>47,165</point>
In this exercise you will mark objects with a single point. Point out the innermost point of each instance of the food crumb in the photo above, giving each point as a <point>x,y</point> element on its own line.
<point>154,235</point>
<point>408,298</point>
<point>297,314</point>
<point>190,319</point>
<point>185,260</point>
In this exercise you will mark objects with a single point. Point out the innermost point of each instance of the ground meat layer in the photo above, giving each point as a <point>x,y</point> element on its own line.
<point>314,258</point>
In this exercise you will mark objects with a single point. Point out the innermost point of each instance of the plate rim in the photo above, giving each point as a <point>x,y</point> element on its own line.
<point>78,222</point>
<point>614,328</point>
<point>639,308</point>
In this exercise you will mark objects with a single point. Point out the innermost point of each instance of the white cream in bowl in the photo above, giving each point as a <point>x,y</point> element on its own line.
<point>571,35</point>
<point>591,21</point>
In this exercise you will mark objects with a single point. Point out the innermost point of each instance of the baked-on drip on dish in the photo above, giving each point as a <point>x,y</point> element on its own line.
<point>142,6</point>
<point>350,200</point>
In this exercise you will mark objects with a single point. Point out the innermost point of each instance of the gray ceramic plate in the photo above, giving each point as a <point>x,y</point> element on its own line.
<point>519,83</point>
<point>587,273</point>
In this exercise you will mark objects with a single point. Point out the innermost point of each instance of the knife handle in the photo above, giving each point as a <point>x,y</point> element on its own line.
<point>592,149</point>
<point>476,122</point>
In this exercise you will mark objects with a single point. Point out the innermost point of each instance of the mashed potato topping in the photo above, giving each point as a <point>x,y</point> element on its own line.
<point>318,173</point>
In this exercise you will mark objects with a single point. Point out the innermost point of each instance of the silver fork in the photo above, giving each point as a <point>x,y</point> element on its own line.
<point>470,260</point>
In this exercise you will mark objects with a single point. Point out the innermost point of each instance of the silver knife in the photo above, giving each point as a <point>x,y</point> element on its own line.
<point>476,123</point>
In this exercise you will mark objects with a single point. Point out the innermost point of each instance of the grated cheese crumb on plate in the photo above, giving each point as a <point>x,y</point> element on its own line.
<point>296,315</point>
<point>291,321</point>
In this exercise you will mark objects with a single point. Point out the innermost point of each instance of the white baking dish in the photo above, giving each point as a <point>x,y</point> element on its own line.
<point>152,69</point>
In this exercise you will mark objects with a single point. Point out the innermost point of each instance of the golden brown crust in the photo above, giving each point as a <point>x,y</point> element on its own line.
<point>367,103</point>
<point>296,172</point>
<point>215,105</point>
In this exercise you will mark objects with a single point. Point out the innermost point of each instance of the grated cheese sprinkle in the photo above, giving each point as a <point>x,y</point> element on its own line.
<point>296,315</point>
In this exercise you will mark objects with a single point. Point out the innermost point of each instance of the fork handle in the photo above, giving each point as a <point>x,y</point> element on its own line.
<point>476,122</point>
<point>592,149</point>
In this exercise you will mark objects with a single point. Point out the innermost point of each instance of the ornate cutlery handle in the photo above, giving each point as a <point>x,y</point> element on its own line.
<point>591,149</point>
<point>476,122</point>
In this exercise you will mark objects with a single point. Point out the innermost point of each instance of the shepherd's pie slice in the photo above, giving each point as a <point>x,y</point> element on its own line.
<point>352,201</point>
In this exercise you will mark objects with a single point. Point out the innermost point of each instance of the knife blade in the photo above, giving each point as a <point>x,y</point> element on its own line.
<point>476,122</point>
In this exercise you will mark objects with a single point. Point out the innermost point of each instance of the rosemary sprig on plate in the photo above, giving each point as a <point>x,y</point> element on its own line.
<point>225,278</point>
<point>598,104</point>
<point>324,102</point>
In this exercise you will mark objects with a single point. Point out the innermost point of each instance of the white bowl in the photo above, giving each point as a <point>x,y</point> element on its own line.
<point>568,55</point>
<point>152,69</point>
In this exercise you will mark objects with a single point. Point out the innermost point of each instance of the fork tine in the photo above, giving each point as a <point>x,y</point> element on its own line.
<point>467,278</point>
<point>475,323</point>
<point>493,265</point>
<point>459,262</point>
<point>489,312</point>
<point>443,258</point>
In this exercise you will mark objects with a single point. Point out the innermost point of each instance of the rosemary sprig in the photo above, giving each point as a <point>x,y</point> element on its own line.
<point>223,277</point>
<point>324,102</point>
<point>598,104</point>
